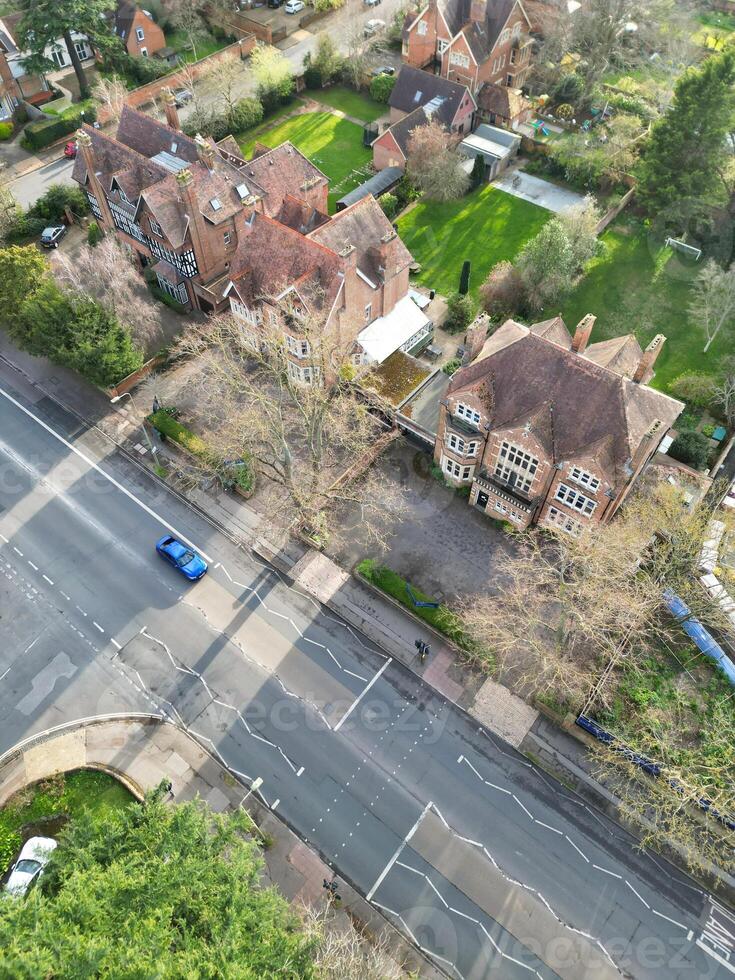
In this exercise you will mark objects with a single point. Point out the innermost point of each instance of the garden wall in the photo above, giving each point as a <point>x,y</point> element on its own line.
<point>614,212</point>
<point>127,384</point>
<point>243,26</point>
<point>147,93</point>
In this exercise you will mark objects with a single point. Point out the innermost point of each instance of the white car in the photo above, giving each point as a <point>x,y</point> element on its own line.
<point>373,26</point>
<point>293,6</point>
<point>32,859</point>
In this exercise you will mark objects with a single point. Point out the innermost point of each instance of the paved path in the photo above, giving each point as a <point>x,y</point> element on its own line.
<point>537,191</point>
<point>354,749</point>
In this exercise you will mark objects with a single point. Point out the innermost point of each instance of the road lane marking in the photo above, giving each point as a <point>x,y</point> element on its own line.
<point>5,674</point>
<point>95,623</point>
<point>31,644</point>
<point>67,597</point>
<point>34,567</point>
<point>81,611</point>
<point>48,580</point>
<point>400,848</point>
<point>114,641</point>
<point>95,466</point>
<point>17,551</point>
<point>358,699</point>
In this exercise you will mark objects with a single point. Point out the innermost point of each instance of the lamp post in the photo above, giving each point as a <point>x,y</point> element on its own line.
<point>256,784</point>
<point>116,399</point>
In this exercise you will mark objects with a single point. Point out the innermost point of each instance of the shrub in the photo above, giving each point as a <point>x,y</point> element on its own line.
<point>94,234</point>
<point>24,228</point>
<point>381,87</point>
<point>695,388</point>
<point>569,88</point>
<point>167,425</point>
<point>503,291</point>
<point>44,132</point>
<point>691,448</point>
<point>389,204</point>
<point>461,312</point>
<point>708,430</point>
<point>6,130</point>
<point>406,192</point>
<point>50,207</point>
<point>451,366</point>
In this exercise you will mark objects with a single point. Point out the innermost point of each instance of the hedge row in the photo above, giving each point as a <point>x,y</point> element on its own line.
<point>44,132</point>
<point>166,424</point>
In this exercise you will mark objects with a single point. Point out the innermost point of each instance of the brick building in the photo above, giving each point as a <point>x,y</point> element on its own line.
<point>16,84</point>
<point>136,28</point>
<point>549,429</point>
<point>250,236</point>
<point>470,41</point>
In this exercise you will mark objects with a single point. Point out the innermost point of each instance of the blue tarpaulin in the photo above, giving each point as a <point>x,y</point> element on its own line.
<point>703,640</point>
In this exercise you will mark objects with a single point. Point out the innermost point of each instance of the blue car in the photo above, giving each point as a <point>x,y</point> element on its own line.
<point>184,560</point>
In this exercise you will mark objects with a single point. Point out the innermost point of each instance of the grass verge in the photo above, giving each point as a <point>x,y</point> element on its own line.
<point>347,100</point>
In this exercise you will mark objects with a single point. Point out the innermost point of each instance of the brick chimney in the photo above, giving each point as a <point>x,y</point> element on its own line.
<point>84,142</point>
<point>582,333</point>
<point>172,113</point>
<point>205,151</point>
<point>475,338</point>
<point>478,11</point>
<point>644,371</point>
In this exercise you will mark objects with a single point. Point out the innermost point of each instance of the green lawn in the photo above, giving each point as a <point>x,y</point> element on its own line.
<point>347,100</point>
<point>204,46</point>
<point>53,800</point>
<point>486,227</point>
<point>638,287</point>
<point>332,144</point>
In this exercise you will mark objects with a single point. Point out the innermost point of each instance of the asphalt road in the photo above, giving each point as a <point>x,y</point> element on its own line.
<point>490,865</point>
<point>28,188</point>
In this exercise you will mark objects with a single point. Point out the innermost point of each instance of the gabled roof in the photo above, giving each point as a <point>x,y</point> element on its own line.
<point>503,101</point>
<point>112,157</point>
<point>554,330</point>
<point>364,228</point>
<point>621,354</point>
<point>150,137</point>
<point>281,171</point>
<point>583,408</point>
<point>124,16</point>
<point>401,131</point>
<point>414,88</point>
<point>300,216</point>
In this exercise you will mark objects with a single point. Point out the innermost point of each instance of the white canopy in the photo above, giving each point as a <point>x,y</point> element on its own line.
<point>387,333</point>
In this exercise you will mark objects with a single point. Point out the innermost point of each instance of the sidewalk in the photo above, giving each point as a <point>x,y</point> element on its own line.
<point>142,750</point>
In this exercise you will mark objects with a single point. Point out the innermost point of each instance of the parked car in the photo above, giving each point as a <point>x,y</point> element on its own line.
<point>383,70</point>
<point>51,236</point>
<point>373,27</point>
<point>182,97</point>
<point>294,6</point>
<point>184,560</point>
<point>32,859</point>
<point>372,3</point>
<point>70,150</point>
<point>274,4</point>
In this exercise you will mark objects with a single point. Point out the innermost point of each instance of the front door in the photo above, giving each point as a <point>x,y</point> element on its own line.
<point>482,499</point>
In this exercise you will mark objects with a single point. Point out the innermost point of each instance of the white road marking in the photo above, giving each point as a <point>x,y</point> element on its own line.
<point>31,644</point>
<point>94,623</point>
<point>637,894</point>
<point>18,551</point>
<point>81,611</point>
<point>114,641</point>
<point>395,857</point>
<point>607,872</point>
<point>67,597</point>
<point>48,580</point>
<point>274,805</point>
<point>715,956</point>
<point>358,699</point>
<point>4,539</point>
<point>300,771</point>
<point>34,567</point>
<point>5,674</point>
<point>95,466</point>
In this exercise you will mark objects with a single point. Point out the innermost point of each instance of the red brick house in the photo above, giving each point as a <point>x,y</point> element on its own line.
<point>549,430</point>
<point>140,34</point>
<point>225,233</point>
<point>16,85</point>
<point>470,41</point>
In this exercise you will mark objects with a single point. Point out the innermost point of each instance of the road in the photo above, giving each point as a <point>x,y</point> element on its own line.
<point>28,188</point>
<point>487,863</point>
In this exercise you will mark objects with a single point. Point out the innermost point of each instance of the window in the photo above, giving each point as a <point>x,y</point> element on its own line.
<point>515,467</point>
<point>573,498</point>
<point>442,46</point>
<point>297,346</point>
<point>174,147</point>
<point>460,446</point>
<point>368,312</point>
<point>513,54</point>
<point>504,36</point>
<point>508,80</point>
<point>123,195</point>
<point>304,375</point>
<point>467,413</point>
<point>272,317</point>
<point>423,27</point>
<point>178,291</point>
<point>216,204</point>
<point>584,478</point>
<point>563,521</point>
<point>82,50</point>
<point>456,470</point>
<point>517,458</point>
<point>456,58</point>
<point>227,237</point>
<point>517,30</point>
<point>155,227</point>
<point>139,33</point>
<point>516,481</point>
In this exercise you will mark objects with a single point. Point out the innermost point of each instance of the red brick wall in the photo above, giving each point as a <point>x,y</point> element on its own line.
<point>386,153</point>
<point>419,49</point>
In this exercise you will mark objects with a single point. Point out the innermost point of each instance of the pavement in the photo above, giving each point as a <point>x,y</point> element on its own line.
<point>537,191</point>
<point>401,792</point>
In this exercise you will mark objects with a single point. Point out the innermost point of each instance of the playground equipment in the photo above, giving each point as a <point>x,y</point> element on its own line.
<point>690,250</point>
<point>540,126</point>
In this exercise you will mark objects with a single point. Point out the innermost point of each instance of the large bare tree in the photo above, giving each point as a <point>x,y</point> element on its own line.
<point>433,163</point>
<point>712,304</point>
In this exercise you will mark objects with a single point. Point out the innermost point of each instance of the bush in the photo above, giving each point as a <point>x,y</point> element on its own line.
<point>50,207</point>
<point>569,88</point>
<point>691,448</point>
<point>167,425</point>
<point>44,132</point>
<point>25,228</point>
<point>94,234</point>
<point>694,388</point>
<point>220,123</point>
<point>389,204</point>
<point>461,313</point>
<point>631,104</point>
<point>163,297</point>
<point>406,192</point>
<point>451,366</point>
<point>381,87</point>
<point>708,430</point>
<point>135,71</point>
<point>6,130</point>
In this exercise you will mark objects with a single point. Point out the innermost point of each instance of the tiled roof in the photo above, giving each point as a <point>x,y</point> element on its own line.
<point>281,171</point>
<point>554,330</point>
<point>504,101</point>
<point>166,207</point>
<point>363,226</point>
<point>414,88</point>
<point>300,216</point>
<point>149,136</point>
<point>621,354</point>
<point>401,131</point>
<point>113,158</point>
<point>580,407</point>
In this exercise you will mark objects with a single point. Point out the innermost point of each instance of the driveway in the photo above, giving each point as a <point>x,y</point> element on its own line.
<point>28,188</point>
<point>537,191</point>
<point>442,545</point>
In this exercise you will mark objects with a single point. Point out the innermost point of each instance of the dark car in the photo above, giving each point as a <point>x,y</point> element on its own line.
<point>51,236</point>
<point>182,97</point>
<point>184,560</point>
<point>274,4</point>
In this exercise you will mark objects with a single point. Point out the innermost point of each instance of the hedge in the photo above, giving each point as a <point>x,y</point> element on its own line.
<point>166,424</point>
<point>440,618</point>
<point>44,132</point>
<point>6,130</point>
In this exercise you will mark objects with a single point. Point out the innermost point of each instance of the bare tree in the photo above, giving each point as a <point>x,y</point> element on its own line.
<point>187,16</point>
<point>342,952</point>
<point>503,293</point>
<point>724,392</point>
<point>712,305</point>
<point>311,443</point>
<point>108,274</point>
<point>433,163</point>
<point>357,54</point>
<point>110,92</point>
<point>10,211</point>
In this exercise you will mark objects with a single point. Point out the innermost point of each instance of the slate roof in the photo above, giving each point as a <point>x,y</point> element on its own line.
<point>149,136</point>
<point>7,35</point>
<point>123,18</point>
<point>281,171</point>
<point>363,225</point>
<point>621,354</point>
<point>414,88</point>
<point>574,406</point>
<point>386,178</point>
<point>503,101</point>
<point>401,131</point>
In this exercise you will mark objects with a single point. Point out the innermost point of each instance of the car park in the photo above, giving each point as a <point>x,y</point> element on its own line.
<point>184,559</point>
<point>294,6</point>
<point>33,858</point>
<point>373,26</point>
<point>51,236</point>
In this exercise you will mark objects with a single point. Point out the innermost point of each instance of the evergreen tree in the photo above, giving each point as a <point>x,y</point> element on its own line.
<point>687,148</point>
<point>464,278</point>
<point>477,176</point>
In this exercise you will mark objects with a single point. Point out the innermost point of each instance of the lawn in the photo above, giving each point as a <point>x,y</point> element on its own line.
<point>486,226</point>
<point>347,100</point>
<point>41,809</point>
<point>332,144</point>
<point>637,286</point>
<point>204,46</point>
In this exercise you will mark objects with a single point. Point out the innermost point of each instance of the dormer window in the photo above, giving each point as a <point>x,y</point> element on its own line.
<point>123,195</point>
<point>216,204</point>
<point>155,227</point>
<point>468,414</point>
<point>174,147</point>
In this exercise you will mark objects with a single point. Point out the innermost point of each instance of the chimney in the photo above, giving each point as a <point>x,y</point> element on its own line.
<point>478,11</point>
<point>172,113</point>
<point>644,371</point>
<point>205,150</point>
<point>84,142</point>
<point>475,339</point>
<point>185,180</point>
<point>582,333</point>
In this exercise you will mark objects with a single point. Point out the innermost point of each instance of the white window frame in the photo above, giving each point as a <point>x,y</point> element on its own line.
<point>227,237</point>
<point>155,227</point>
<point>504,36</point>
<point>423,28</point>
<point>455,470</point>
<point>459,59</point>
<point>584,478</point>
<point>368,312</point>
<point>575,500</point>
<point>516,31</point>
<point>467,413</point>
<point>176,291</point>
<point>517,458</point>
<point>298,346</point>
<point>442,46</point>
<point>563,522</point>
<point>140,33</point>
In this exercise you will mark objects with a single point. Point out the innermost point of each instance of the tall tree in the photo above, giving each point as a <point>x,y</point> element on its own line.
<point>187,16</point>
<point>687,151</point>
<point>45,21</point>
<point>433,164</point>
<point>712,305</point>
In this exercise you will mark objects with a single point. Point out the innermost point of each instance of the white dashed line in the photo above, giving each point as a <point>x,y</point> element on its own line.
<point>81,611</point>
<point>98,626</point>
<point>50,582</point>
<point>5,674</point>
<point>116,644</point>
<point>67,597</point>
<point>34,567</point>
<point>17,551</point>
<point>613,874</point>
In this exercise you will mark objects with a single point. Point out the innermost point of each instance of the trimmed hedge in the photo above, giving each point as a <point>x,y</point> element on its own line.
<point>166,424</point>
<point>6,130</point>
<point>44,132</point>
<point>441,618</point>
